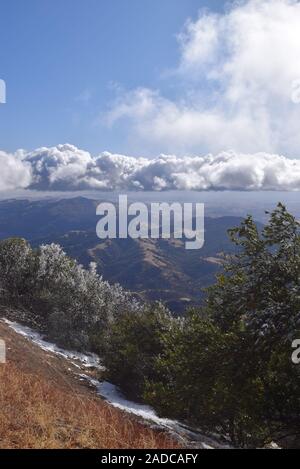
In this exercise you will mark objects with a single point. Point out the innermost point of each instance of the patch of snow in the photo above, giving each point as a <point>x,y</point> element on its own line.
<point>114,396</point>
<point>86,360</point>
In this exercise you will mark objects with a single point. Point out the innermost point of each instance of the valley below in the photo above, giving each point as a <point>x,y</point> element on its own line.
<point>154,269</point>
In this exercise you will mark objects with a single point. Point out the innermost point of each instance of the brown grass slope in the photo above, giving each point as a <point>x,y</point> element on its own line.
<point>44,405</point>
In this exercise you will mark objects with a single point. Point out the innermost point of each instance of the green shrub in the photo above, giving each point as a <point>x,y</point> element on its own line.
<point>131,345</point>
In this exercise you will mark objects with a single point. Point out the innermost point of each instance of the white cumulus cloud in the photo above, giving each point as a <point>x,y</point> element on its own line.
<point>15,173</point>
<point>67,168</point>
<point>238,71</point>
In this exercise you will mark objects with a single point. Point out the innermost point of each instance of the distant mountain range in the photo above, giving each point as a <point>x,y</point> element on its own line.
<point>153,269</point>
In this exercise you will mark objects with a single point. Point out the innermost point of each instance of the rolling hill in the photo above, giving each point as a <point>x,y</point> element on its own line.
<point>153,269</point>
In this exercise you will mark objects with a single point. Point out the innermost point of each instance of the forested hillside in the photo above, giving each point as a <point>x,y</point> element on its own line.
<point>225,367</point>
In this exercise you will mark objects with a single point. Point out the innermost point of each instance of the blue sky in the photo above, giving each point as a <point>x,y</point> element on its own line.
<point>150,95</point>
<point>62,61</point>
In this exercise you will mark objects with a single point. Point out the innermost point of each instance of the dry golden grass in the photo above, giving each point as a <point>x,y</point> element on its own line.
<point>37,414</point>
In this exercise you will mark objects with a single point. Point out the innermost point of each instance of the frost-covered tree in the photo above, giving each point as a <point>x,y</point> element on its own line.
<point>17,268</point>
<point>79,301</point>
<point>69,303</point>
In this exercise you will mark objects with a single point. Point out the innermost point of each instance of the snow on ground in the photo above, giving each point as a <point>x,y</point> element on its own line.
<point>86,360</point>
<point>114,396</point>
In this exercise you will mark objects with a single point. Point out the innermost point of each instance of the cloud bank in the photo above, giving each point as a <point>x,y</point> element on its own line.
<point>67,168</point>
<point>237,82</point>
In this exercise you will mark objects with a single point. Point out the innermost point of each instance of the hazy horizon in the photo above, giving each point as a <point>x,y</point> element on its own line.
<point>217,203</point>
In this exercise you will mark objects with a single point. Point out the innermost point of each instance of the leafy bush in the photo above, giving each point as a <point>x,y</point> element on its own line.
<point>131,344</point>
